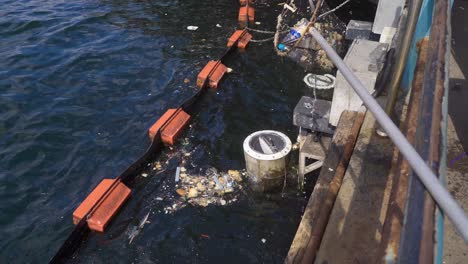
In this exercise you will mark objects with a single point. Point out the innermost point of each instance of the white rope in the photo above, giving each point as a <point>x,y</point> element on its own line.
<point>334,9</point>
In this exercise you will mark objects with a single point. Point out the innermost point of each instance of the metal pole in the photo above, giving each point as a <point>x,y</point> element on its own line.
<point>443,198</point>
<point>414,10</point>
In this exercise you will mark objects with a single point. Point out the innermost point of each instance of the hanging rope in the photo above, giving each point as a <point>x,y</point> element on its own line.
<point>261,40</point>
<point>334,9</point>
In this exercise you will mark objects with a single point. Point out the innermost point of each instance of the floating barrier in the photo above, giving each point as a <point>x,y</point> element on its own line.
<point>106,208</point>
<point>212,73</point>
<point>245,2</point>
<point>104,202</point>
<point>241,37</point>
<point>246,16</point>
<point>171,125</point>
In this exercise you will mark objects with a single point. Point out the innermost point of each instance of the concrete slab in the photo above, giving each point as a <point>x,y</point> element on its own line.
<point>365,58</point>
<point>455,249</point>
<point>357,29</point>
<point>387,14</point>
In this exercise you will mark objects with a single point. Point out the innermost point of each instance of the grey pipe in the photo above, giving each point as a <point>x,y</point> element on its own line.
<point>414,10</point>
<point>443,198</point>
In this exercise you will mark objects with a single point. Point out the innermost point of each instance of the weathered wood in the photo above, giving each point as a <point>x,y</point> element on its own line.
<point>315,218</point>
<point>354,228</point>
<point>400,168</point>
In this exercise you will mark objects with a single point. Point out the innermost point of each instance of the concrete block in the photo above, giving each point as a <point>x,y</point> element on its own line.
<point>387,14</point>
<point>387,35</point>
<point>358,30</point>
<point>313,115</point>
<point>365,58</point>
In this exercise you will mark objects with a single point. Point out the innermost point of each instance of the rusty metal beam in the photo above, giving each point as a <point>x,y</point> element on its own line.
<point>400,170</point>
<point>418,233</point>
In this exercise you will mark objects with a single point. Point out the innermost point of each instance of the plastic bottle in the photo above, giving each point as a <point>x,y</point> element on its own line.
<point>294,34</point>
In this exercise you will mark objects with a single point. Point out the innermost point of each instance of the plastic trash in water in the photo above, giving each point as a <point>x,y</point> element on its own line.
<point>294,34</point>
<point>320,82</point>
<point>218,184</point>
<point>192,27</point>
<point>283,47</point>
<point>136,229</point>
<point>177,174</point>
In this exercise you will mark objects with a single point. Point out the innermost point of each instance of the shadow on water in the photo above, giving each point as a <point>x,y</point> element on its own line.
<point>80,84</point>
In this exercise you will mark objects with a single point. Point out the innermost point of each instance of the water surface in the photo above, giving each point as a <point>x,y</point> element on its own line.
<point>80,83</point>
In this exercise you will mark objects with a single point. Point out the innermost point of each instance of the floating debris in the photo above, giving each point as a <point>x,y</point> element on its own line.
<point>177,174</point>
<point>211,188</point>
<point>192,28</point>
<point>136,229</point>
<point>181,192</point>
<point>157,166</point>
<point>235,174</point>
<point>192,193</point>
<point>263,240</point>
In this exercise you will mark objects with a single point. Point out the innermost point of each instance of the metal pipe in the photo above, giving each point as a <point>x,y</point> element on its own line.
<point>443,198</point>
<point>407,41</point>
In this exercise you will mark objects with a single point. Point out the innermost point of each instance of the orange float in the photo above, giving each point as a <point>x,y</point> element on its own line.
<point>211,74</point>
<point>244,2</point>
<point>176,119</point>
<point>105,200</point>
<point>246,15</point>
<point>241,38</point>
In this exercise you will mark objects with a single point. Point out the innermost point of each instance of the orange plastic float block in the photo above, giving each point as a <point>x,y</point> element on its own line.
<point>106,209</point>
<point>217,71</point>
<point>246,13</point>
<point>242,40</point>
<point>244,2</point>
<point>172,130</point>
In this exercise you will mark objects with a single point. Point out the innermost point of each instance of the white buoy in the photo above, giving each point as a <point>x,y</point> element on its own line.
<point>265,158</point>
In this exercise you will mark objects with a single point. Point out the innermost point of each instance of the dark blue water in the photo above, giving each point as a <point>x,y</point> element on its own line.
<point>80,83</point>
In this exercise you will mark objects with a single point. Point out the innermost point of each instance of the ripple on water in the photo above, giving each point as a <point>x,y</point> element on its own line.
<point>80,83</point>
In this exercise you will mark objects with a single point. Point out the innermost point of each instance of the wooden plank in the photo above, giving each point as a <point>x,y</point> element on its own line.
<point>354,229</point>
<point>321,201</point>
